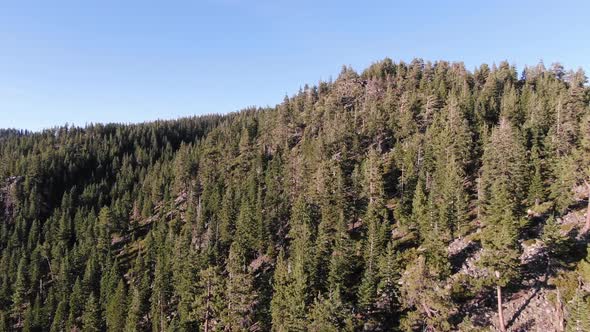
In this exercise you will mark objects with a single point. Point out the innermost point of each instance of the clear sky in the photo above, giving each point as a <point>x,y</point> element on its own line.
<point>132,61</point>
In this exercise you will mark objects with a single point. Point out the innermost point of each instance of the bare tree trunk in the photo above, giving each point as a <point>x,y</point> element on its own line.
<point>207,306</point>
<point>559,312</point>
<point>427,310</point>
<point>587,225</point>
<point>500,311</point>
<point>161,313</point>
<point>479,196</point>
<point>50,269</point>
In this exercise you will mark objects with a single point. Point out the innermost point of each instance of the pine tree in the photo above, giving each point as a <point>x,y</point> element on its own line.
<point>561,189</point>
<point>20,289</point>
<point>91,278</point>
<point>287,306</point>
<point>134,313</point>
<point>450,199</point>
<point>300,264</point>
<point>388,288</point>
<point>161,292</point>
<point>342,264</point>
<point>504,164</point>
<point>583,269</point>
<point>240,295</point>
<point>324,245</point>
<point>583,161</point>
<point>227,216</point>
<point>536,191</point>
<point>29,323</point>
<point>103,231</point>
<point>376,223</point>
<point>420,214</point>
<point>428,301</point>
<point>208,304</point>
<point>501,250</point>
<point>36,321</point>
<point>503,182</point>
<point>60,317</point>
<point>184,270</point>
<point>367,295</point>
<point>116,308</point>
<point>327,313</point>
<point>3,322</point>
<point>246,225</point>
<point>76,305</point>
<point>184,168</point>
<point>376,239</point>
<point>91,320</point>
<point>509,106</point>
<point>563,133</point>
<point>578,319</point>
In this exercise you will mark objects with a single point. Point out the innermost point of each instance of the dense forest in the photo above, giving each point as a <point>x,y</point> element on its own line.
<point>412,196</point>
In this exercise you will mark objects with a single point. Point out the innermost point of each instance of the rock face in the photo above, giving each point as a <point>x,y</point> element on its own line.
<point>530,310</point>
<point>7,201</point>
<point>532,305</point>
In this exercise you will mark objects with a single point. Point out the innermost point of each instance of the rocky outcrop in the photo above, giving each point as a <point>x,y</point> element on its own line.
<point>533,307</point>
<point>7,199</point>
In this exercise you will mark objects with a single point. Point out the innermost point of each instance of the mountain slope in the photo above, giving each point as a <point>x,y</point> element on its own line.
<point>403,197</point>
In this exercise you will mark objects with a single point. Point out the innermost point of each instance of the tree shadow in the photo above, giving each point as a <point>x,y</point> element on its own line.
<point>526,326</point>
<point>477,309</point>
<point>457,260</point>
<point>537,268</point>
<point>523,306</point>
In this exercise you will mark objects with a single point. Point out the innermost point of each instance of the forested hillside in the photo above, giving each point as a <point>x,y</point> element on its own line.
<point>411,196</point>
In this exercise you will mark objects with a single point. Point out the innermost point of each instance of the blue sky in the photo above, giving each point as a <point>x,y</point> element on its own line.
<point>134,61</point>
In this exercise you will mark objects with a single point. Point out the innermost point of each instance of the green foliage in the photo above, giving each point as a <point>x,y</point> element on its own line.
<point>76,304</point>
<point>208,303</point>
<point>499,240</point>
<point>59,318</point>
<point>328,313</point>
<point>427,300</point>
<point>536,192</point>
<point>288,302</point>
<point>91,318</point>
<point>134,314</point>
<point>562,187</point>
<point>240,296</point>
<point>116,308</point>
<point>578,318</point>
<point>20,288</point>
<point>555,242</point>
